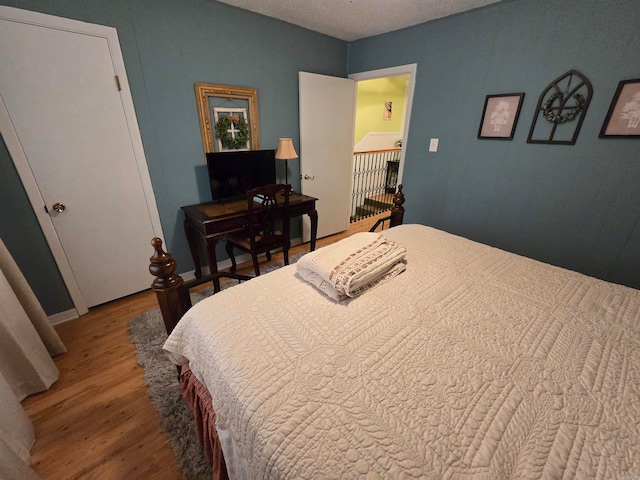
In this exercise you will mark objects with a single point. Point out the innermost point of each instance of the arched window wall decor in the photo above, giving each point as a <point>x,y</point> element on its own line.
<point>561,109</point>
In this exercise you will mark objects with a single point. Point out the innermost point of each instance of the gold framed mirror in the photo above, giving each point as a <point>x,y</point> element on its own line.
<point>222,106</point>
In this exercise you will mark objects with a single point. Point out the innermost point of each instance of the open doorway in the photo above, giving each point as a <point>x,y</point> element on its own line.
<point>327,111</point>
<point>382,113</point>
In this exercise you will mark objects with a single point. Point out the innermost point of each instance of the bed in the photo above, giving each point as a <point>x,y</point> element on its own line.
<point>472,363</point>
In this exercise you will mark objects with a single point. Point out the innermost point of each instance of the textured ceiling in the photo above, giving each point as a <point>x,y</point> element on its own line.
<point>354,19</point>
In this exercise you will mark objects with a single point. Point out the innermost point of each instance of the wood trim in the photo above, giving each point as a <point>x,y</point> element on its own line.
<point>384,150</point>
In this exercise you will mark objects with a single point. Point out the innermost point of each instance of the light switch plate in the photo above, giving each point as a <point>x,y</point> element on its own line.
<point>433,145</point>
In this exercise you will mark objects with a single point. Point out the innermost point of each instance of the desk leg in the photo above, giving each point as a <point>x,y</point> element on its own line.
<point>313,215</point>
<point>190,233</point>
<point>213,262</point>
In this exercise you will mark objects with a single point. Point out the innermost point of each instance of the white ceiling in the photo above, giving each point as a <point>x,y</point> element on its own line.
<point>354,19</point>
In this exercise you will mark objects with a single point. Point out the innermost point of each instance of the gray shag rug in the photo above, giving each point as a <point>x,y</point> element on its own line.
<point>148,334</point>
<point>161,376</point>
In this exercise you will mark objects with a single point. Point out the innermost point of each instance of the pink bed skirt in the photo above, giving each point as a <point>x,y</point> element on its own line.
<point>199,400</point>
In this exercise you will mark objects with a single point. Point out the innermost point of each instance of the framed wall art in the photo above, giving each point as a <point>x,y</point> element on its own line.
<point>387,110</point>
<point>228,117</point>
<point>561,109</point>
<point>500,116</point>
<point>231,128</point>
<point>623,117</point>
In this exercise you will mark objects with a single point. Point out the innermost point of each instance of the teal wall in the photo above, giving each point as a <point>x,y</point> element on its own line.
<point>575,206</point>
<point>167,46</point>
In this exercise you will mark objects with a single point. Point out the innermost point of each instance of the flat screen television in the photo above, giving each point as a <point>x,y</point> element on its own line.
<point>231,174</point>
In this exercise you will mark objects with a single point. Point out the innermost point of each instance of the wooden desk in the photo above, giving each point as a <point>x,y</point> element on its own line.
<point>210,221</point>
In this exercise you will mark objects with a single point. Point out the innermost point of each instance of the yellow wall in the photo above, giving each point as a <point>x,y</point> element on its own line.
<point>371,97</point>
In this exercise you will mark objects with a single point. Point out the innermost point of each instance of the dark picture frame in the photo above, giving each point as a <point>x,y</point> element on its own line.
<point>623,117</point>
<point>500,116</point>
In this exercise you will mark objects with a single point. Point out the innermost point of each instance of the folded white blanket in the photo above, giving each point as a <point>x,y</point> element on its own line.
<point>353,265</point>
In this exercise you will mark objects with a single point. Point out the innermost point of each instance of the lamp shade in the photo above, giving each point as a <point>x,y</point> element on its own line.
<point>285,149</point>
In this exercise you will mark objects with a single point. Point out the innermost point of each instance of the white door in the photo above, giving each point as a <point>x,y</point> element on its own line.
<point>327,106</point>
<point>73,126</point>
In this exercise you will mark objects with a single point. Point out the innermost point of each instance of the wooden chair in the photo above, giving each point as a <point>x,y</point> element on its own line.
<point>268,207</point>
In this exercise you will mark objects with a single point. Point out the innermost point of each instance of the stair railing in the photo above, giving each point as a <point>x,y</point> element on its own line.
<point>375,177</point>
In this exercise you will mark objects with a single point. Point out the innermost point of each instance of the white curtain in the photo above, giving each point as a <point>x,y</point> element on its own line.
<point>27,342</point>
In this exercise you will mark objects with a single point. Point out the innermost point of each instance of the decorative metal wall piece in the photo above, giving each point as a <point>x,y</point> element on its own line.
<point>561,110</point>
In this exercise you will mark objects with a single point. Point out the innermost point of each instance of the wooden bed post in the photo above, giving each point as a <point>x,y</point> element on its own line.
<point>173,297</point>
<point>397,211</point>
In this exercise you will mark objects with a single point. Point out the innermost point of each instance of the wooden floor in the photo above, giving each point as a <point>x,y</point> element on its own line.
<point>97,421</point>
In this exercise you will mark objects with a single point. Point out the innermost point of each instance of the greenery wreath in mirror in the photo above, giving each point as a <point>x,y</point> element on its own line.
<point>241,131</point>
<point>551,116</point>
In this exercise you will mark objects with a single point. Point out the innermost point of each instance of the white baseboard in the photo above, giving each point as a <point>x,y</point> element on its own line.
<point>62,317</point>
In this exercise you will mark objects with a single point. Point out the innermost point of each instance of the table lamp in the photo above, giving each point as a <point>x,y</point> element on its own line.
<point>285,152</point>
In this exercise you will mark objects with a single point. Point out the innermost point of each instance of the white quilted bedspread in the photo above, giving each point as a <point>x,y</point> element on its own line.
<point>474,363</point>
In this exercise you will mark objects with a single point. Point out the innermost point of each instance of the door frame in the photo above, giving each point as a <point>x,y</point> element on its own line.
<point>411,70</point>
<point>21,162</point>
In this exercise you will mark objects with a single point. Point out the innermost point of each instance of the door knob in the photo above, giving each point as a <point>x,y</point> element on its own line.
<point>58,207</point>
<point>308,177</point>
